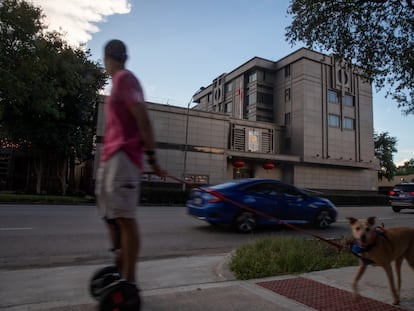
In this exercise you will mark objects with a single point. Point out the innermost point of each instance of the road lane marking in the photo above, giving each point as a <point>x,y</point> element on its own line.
<point>14,229</point>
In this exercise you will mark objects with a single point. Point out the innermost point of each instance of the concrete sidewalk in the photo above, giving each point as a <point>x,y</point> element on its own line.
<point>187,283</point>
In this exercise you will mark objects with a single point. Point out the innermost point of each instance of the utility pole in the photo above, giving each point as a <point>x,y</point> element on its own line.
<point>186,142</point>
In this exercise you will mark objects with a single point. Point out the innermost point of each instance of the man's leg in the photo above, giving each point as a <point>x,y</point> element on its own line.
<point>123,188</point>
<point>115,238</point>
<point>130,244</point>
<point>105,209</point>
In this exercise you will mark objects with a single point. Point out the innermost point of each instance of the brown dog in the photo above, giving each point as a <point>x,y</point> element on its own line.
<point>379,246</point>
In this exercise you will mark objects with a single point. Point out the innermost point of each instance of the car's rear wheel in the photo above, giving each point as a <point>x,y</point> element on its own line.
<point>245,222</point>
<point>323,219</point>
<point>396,209</point>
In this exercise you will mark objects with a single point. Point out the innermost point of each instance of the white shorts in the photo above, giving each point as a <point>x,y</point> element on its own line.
<point>117,187</point>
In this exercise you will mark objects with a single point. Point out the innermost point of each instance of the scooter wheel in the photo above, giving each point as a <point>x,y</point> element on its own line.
<point>122,296</point>
<point>102,278</point>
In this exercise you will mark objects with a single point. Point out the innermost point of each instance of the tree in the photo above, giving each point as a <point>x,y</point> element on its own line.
<point>48,98</point>
<point>384,146</point>
<point>406,168</point>
<point>377,36</point>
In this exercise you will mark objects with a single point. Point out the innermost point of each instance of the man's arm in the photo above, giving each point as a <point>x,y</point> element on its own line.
<point>139,111</point>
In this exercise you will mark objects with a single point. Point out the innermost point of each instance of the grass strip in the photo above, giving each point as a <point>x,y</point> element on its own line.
<point>272,256</point>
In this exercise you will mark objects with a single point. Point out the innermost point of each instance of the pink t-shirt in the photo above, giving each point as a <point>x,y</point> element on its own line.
<point>121,131</point>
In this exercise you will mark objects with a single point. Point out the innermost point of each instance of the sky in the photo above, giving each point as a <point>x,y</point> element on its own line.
<point>177,46</point>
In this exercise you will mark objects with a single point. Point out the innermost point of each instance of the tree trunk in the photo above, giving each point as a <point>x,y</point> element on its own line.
<point>38,166</point>
<point>72,165</point>
<point>61,173</point>
<point>28,174</point>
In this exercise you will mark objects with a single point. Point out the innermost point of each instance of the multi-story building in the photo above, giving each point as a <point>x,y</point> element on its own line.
<point>306,119</point>
<point>323,106</point>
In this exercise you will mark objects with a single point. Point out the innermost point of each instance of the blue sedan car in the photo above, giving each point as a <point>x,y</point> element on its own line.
<point>224,204</point>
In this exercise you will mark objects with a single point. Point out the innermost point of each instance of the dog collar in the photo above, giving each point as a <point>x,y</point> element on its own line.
<point>358,250</point>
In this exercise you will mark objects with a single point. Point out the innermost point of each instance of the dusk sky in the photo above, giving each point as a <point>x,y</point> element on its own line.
<point>178,46</point>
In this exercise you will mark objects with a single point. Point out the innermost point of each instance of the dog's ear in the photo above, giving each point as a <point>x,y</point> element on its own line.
<point>352,220</point>
<point>371,220</point>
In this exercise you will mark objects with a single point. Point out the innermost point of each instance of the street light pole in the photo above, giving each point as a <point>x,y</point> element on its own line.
<point>186,142</point>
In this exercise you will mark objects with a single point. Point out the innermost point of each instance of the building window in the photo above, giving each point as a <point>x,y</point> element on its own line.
<point>287,118</point>
<point>228,87</point>
<point>287,71</point>
<point>349,100</point>
<point>209,97</point>
<point>260,75</point>
<point>333,120</point>
<point>333,97</point>
<point>268,76</point>
<point>217,94</point>
<point>253,77</point>
<point>265,98</point>
<point>287,95</point>
<point>349,123</point>
<point>228,107</point>
<point>252,98</point>
<point>265,76</point>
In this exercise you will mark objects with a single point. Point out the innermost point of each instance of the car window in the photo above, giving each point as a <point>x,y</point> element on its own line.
<point>263,188</point>
<point>405,188</point>
<point>291,191</point>
<point>258,188</point>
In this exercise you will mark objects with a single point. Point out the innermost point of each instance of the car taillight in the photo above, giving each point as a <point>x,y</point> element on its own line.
<point>412,193</point>
<point>392,193</point>
<point>211,198</point>
<point>214,200</point>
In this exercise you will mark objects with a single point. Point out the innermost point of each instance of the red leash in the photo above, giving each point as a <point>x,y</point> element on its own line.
<point>249,209</point>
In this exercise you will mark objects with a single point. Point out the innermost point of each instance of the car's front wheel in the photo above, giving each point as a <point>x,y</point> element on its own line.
<point>245,222</point>
<point>323,219</point>
<point>396,209</point>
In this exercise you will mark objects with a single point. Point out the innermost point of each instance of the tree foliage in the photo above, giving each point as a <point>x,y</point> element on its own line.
<point>406,168</point>
<point>48,90</point>
<point>376,35</point>
<point>385,146</point>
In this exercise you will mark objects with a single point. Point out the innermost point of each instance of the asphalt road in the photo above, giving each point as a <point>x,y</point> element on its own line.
<point>48,235</point>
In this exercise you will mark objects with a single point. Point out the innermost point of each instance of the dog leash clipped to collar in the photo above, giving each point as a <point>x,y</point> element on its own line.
<point>358,251</point>
<point>249,209</point>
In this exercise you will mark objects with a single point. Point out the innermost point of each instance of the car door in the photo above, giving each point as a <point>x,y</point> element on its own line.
<point>294,203</point>
<point>265,198</point>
